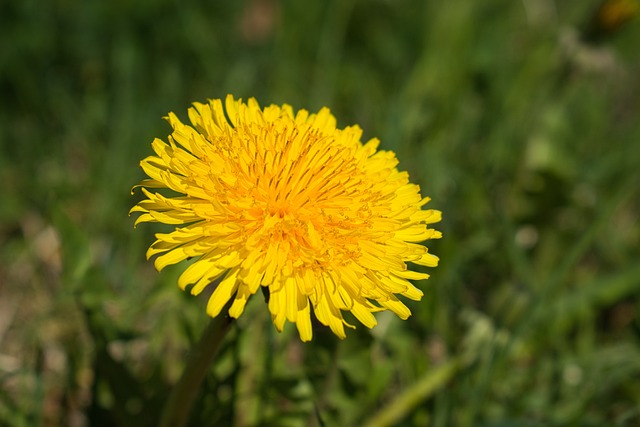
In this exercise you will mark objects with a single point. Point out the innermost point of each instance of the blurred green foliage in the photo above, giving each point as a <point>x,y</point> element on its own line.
<point>520,119</point>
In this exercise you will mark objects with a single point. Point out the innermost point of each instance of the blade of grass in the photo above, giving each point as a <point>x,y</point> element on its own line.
<point>421,390</point>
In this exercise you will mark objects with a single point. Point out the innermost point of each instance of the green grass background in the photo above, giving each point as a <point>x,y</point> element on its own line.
<point>519,118</point>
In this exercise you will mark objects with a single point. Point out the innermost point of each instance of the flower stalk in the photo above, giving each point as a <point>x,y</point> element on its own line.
<point>182,397</point>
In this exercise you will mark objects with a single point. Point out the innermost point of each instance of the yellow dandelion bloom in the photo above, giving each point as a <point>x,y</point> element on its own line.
<point>287,201</point>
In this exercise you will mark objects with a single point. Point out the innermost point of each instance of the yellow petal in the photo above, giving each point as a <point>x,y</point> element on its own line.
<point>363,314</point>
<point>304,322</point>
<point>427,260</point>
<point>223,293</point>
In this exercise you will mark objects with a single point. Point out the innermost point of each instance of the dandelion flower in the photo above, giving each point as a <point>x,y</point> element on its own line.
<point>286,201</point>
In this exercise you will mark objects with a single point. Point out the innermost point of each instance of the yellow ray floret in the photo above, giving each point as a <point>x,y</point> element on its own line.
<point>286,201</point>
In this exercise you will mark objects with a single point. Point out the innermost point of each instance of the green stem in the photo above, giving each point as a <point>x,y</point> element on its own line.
<point>176,411</point>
